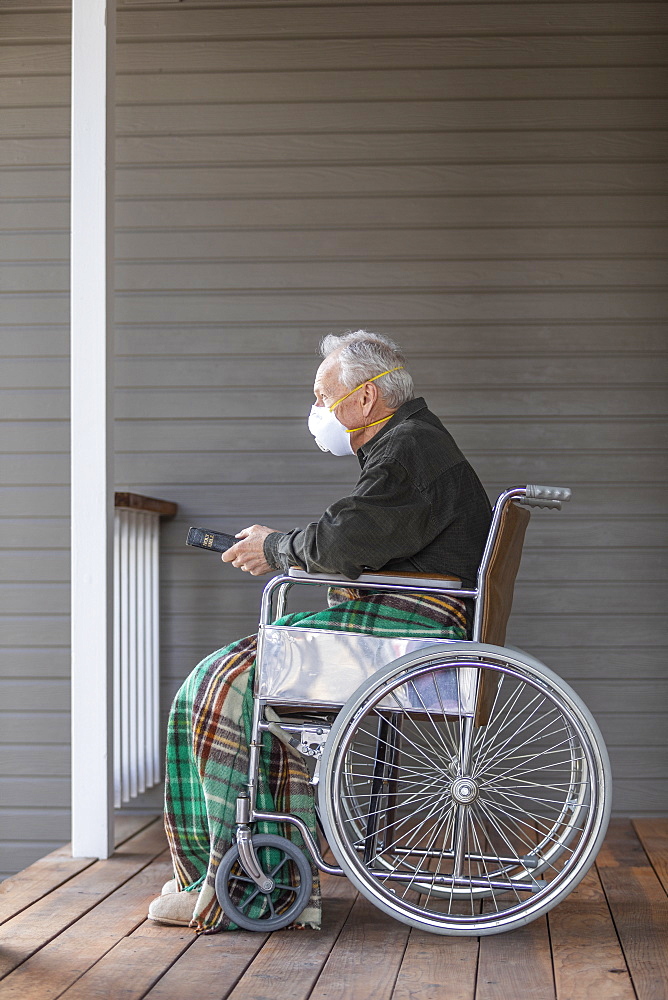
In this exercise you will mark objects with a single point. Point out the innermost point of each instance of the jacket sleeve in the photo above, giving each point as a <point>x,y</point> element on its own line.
<point>385,518</point>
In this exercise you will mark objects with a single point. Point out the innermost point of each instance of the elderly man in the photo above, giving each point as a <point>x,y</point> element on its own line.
<point>418,507</point>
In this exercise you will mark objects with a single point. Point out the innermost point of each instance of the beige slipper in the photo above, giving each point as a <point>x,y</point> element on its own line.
<point>171,886</point>
<point>174,908</point>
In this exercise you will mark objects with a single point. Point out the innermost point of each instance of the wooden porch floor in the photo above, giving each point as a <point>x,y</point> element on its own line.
<point>77,929</point>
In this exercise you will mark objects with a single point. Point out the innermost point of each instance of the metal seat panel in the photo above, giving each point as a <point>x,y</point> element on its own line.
<point>301,666</point>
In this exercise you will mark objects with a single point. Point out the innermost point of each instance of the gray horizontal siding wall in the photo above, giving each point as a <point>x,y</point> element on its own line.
<point>484,181</point>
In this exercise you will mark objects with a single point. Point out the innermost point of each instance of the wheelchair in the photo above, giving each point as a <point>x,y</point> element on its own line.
<point>462,786</point>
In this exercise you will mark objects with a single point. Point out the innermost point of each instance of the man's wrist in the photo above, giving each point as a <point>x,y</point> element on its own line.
<point>270,548</point>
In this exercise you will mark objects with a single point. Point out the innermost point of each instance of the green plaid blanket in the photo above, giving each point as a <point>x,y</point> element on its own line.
<point>209,732</point>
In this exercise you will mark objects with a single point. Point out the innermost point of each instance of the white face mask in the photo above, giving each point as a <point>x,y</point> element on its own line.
<point>328,431</point>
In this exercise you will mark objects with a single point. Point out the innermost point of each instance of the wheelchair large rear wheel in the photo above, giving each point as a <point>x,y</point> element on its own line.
<point>460,821</point>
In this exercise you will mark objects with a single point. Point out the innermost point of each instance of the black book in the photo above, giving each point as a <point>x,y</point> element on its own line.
<point>217,541</point>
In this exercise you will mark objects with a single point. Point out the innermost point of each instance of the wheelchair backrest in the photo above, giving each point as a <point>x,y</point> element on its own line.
<point>498,570</point>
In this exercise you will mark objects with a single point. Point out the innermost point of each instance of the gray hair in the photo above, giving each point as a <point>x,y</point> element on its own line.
<point>363,355</point>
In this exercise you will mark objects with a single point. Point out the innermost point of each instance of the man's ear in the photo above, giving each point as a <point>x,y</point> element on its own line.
<point>370,396</point>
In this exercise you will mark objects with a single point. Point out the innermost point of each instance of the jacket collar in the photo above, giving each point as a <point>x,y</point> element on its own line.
<point>405,411</point>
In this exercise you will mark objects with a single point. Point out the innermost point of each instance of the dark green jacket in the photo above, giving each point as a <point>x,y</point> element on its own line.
<point>418,506</point>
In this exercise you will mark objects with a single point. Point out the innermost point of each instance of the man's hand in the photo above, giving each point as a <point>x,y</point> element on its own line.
<point>248,554</point>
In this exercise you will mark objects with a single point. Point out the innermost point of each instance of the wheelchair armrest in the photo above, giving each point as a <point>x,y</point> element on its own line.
<point>432,580</point>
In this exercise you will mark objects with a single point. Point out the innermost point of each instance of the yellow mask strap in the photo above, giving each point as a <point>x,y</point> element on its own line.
<point>397,369</point>
<point>354,429</point>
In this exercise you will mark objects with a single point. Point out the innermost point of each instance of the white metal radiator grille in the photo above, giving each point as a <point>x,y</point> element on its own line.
<point>136,653</point>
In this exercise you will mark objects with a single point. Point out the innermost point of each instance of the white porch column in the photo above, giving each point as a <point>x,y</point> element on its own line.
<point>93,39</point>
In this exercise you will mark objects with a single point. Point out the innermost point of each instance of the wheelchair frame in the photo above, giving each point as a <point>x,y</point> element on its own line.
<point>357,838</point>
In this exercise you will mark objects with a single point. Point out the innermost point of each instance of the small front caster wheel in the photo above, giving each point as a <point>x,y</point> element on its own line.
<point>246,904</point>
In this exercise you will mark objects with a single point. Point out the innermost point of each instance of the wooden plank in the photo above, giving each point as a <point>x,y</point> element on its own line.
<point>346,308</point>
<point>26,694</point>
<point>351,244</point>
<point>304,275</point>
<point>269,972</point>
<point>212,277</point>
<point>135,501</point>
<point>318,22</point>
<point>429,373</point>
<point>626,729</point>
<point>187,629</point>
<point>437,968</point>
<point>208,404</point>
<point>546,532</point>
<point>39,923</point>
<point>653,835</point>
<point>42,792</point>
<point>426,339</point>
<point>641,795</point>
<point>36,437</point>
<point>378,179</point>
<point>333,213</point>
<point>537,146</point>
<point>48,598</point>
<point>327,85</point>
<point>137,962</point>
<point>210,967</point>
<point>25,888</point>
<point>56,966</point>
<point>192,630</point>
<point>126,825</point>
<point>639,909</point>
<point>273,971</point>
<point>291,505</point>
<point>18,855</point>
<point>350,53</point>
<point>348,305</point>
<point>581,927</point>
<point>607,113</point>
<point>383,212</point>
<point>365,960</point>
<point>620,113</point>
<point>590,565</point>
<point>32,824</point>
<point>273,468</point>
<point>235,598</point>
<point>34,727</point>
<point>49,630</point>
<point>576,468</point>
<point>516,964</point>
<point>62,4</point>
<point>36,761</point>
<point>32,663</point>
<point>459,19</point>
